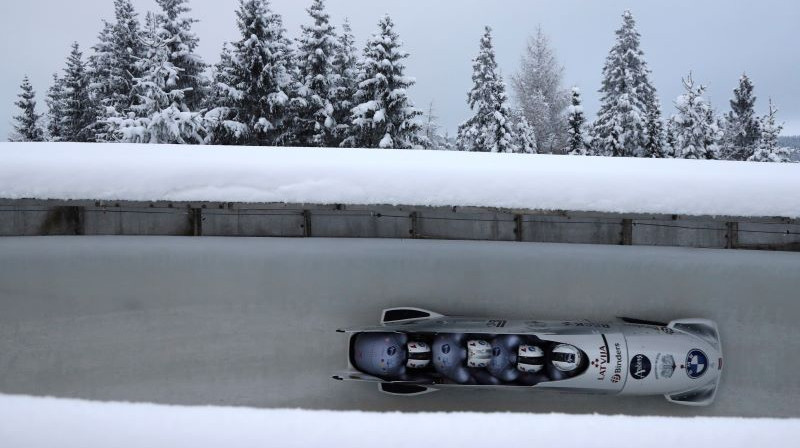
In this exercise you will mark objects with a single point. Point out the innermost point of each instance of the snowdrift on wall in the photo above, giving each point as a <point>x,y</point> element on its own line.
<point>392,177</point>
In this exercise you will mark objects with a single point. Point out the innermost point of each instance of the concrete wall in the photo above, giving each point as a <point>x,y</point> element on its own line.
<point>37,218</point>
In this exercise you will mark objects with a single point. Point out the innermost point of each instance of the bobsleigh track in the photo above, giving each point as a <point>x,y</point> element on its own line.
<point>251,322</point>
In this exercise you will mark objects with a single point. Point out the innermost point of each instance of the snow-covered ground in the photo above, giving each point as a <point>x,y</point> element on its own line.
<point>436,178</point>
<point>46,422</point>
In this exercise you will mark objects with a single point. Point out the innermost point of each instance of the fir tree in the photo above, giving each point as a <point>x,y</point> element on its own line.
<point>345,68</point>
<point>653,126</point>
<point>181,42</point>
<point>26,126</point>
<point>315,123</point>
<point>577,125</point>
<point>491,128</point>
<point>742,126</point>
<point>262,75</point>
<point>77,115</point>
<point>431,128</point>
<point>525,136</point>
<point>161,114</point>
<point>113,66</point>
<point>223,123</point>
<point>384,116</point>
<point>696,129</point>
<point>55,101</point>
<point>539,92</point>
<point>768,149</point>
<point>627,118</point>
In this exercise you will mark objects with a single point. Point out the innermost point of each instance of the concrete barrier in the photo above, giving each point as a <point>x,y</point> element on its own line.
<point>43,218</point>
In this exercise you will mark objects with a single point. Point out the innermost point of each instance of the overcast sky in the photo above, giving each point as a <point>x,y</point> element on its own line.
<point>716,39</point>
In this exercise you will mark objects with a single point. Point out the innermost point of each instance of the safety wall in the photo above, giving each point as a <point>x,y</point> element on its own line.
<point>40,218</point>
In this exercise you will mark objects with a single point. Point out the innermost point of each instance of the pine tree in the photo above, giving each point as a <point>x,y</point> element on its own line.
<point>768,149</point>
<point>77,110</point>
<point>26,128</point>
<point>742,127</point>
<point>696,129</point>
<point>525,135</point>
<point>539,92</point>
<point>181,42</point>
<point>262,75</point>
<point>345,69</point>
<point>653,126</point>
<point>55,101</point>
<point>627,118</point>
<point>223,123</point>
<point>491,128</point>
<point>577,126</point>
<point>315,124</point>
<point>113,66</point>
<point>384,116</point>
<point>431,128</point>
<point>161,114</point>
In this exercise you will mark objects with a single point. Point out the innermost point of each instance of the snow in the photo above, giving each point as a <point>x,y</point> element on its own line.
<point>70,171</point>
<point>48,422</point>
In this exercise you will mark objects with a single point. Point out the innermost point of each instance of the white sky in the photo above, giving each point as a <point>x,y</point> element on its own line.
<point>716,39</point>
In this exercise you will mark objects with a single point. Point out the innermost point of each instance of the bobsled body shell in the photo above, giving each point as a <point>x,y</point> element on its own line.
<point>681,360</point>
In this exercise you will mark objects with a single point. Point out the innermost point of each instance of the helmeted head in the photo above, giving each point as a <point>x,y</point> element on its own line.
<point>566,357</point>
<point>381,354</point>
<point>419,355</point>
<point>530,359</point>
<point>479,354</point>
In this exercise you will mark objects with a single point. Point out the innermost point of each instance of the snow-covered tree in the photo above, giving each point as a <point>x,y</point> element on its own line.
<point>525,135</point>
<point>384,116</point>
<point>77,114</point>
<point>628,110</point>
<point>431,127</point>
<point>113,65</point>
<point>345,73</point>
<point>314,123</point>
<point>576,122</point>
<point>54,101</point>
<point>539,92</point>
<point>223,123</point>
<point>768,149</point>
<point>654,138</point>
<point>181,42</point>
<point>696,128</point>
<point>26,124</point>
<point>160,114</point>
<point>742,126</point>
<point>260,82</point>
<point>491,129</point>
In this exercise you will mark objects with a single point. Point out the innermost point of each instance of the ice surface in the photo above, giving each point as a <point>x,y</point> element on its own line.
<point>46,422</point>
<point>422,178</point>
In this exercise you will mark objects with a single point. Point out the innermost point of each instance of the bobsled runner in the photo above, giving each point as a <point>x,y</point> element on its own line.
<point>415,351</point>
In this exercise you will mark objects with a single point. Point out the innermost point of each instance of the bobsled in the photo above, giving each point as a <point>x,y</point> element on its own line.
<point>415,351</point>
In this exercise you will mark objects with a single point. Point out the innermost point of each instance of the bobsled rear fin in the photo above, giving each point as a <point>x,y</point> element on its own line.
<point>396,315</point>
<point>702,396</point>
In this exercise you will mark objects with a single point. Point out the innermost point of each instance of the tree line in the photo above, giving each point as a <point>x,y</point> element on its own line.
<point>145,83</point>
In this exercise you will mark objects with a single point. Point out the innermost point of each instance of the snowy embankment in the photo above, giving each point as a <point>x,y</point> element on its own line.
<point>419,178</point>
<point>45,422</point>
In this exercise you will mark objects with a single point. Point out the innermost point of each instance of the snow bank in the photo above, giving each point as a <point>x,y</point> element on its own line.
<point>40,422</point>
<point>435,178</point>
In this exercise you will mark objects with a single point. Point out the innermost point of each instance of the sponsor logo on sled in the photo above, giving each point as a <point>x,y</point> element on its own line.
<point>640,367</point>
<point>696,364</point>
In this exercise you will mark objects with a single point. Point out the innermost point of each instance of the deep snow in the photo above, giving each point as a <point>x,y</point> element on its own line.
<point>369,176</point>
<point>46,422</point>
